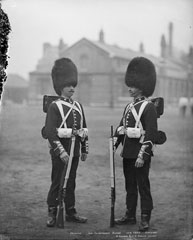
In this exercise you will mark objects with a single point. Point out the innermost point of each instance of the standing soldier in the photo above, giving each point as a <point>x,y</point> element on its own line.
<point>183,105</point>
<point>138,132</point>
<point>64,118</point>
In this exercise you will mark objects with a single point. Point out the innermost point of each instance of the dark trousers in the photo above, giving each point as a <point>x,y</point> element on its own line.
<point>137,179</point>
<point>57,168</point>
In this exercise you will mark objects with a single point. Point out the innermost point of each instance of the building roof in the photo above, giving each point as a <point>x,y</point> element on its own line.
<point>111,50</point>
<point>128,54</point>
<point>114,51</point>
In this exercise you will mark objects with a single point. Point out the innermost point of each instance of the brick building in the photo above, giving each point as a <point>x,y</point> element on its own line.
<point>102,69</point>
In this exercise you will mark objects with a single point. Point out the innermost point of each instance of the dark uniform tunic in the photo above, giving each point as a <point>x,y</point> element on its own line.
<point>138,178</point>
<point>59,145</point>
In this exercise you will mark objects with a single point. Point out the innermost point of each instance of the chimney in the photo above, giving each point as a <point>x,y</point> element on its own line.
<point>101,36</point>
<point>141,48</point>
<point>163,46</point>
<point>61,45</point>
<point>46,47</point>
<point>191,52</point>
<point>190,55</point>
<point>170,39</point>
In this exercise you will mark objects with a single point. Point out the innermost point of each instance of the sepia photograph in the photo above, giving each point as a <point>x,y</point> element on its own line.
<point>96,120</point>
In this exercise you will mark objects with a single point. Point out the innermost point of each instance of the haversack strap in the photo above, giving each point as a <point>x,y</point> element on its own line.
<point>81,114</point>
<point>59,104</point>
<point>138,116</point>
<point>75,107</point>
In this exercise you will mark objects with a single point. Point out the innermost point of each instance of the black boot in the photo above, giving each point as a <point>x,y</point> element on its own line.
<point>75,218</point>
<point>52,212</point>
<point>144,224</point>
<point>129,218</point>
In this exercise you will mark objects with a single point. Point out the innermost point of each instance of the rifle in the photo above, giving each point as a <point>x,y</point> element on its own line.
<point>112,171</point>
<point>62,189</point>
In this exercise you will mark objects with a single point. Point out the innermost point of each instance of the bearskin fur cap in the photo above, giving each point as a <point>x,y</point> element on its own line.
<point>64,73</point>
<point>142,75</point>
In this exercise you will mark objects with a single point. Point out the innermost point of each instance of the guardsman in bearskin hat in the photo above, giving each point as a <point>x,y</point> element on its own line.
<point>64,117</point>
<point>138,132</point>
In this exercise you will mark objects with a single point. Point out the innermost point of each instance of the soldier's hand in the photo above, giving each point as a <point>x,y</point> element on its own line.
<point>83,157</point>
<point>121,130</point>
<point>139,163</point>
<point>64,157</point>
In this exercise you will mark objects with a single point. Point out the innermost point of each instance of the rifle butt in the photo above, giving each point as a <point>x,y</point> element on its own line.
<point>60,218</point>
<point>112,219</point>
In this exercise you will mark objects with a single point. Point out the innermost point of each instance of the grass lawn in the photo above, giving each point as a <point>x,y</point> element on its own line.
<point>25,168</point>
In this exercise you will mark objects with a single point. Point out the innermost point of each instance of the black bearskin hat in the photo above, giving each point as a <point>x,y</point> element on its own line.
<point>142,75</point>
<point>64,73</point>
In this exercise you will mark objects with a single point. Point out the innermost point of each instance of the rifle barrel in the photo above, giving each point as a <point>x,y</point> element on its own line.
<point>63,184</point>
<point>112,175</point>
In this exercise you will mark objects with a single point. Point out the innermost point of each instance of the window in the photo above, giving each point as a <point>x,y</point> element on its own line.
<point>84,61</point>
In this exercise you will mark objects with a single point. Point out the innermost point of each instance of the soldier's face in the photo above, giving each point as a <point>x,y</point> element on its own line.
<point>134,92</point>
<point>68,91</point>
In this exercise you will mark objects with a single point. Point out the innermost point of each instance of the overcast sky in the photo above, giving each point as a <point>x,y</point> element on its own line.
<point>126,23</point>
